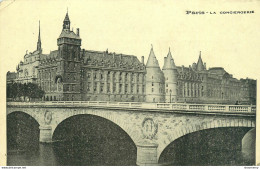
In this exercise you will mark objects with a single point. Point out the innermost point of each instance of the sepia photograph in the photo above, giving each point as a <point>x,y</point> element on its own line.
<point>129,83</point>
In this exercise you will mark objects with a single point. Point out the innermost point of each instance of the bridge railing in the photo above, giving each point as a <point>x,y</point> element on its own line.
<point>141,105</point>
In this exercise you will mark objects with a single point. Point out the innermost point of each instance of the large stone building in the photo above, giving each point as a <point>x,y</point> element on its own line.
<point>72,73</point>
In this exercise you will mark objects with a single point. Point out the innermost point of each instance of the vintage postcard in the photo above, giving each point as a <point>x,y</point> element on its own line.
<point>126,83</point>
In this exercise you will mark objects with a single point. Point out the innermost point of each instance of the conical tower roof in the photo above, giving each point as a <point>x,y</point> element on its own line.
<point>152,61</point>
<point>200,66</point>
<point>169,62</point>
<point>67,17</point>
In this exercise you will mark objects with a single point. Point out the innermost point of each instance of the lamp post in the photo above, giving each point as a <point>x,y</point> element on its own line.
<point>170,95</point>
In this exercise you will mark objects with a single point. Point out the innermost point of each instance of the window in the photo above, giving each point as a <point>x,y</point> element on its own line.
<point>114,87</point>
<point>88,75</point>
<point>95,86</point>
<point>108,75</point>
<point>152,77</point>
<point>126,87</point>
<point>88,86</point>
<point>166,90</point>
<point>153,99</point>
<point>120,88</point>
<point>152,90</point>
<point>166,84</point>
<point>101,87</point>
<point>137,88</point>
<point>126,77</point>
<point>108,87</point>
<point>120,76</point>
<point>152,83</point>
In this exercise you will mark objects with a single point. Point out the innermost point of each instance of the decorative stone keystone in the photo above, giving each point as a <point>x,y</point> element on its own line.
<point>45,134</point>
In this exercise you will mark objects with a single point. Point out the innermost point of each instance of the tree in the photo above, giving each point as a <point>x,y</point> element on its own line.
<point>26,90</point>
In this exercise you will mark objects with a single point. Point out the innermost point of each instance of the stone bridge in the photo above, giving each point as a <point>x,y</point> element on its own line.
<point>151,126</point>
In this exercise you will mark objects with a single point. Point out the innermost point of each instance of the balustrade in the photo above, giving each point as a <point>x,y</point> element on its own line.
<point>167,106</point>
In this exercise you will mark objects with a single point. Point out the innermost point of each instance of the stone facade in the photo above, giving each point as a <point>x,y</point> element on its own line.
<point>71,73</point>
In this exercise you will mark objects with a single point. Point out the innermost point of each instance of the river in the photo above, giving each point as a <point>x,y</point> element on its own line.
<point>63,154</point>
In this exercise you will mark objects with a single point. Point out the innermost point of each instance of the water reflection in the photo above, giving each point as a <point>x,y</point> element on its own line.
<point>65,153</point>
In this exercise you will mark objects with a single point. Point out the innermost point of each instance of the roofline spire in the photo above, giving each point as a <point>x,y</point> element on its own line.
<point>39,35</point>
<point>39,43</point>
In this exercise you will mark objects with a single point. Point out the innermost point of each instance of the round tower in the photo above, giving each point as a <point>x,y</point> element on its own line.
<point>154,80</point>
<point>170,75</point>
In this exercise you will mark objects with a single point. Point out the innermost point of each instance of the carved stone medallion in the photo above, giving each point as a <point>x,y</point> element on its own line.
<point>47,117</point>
<point>149,128</point>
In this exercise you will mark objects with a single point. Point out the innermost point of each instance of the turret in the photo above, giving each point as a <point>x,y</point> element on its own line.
<point>66,23</point>
<point>204,76</point>
<point>170,75</point>
<point>154,80</point>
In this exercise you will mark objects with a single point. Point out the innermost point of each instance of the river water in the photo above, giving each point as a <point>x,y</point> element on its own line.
<point>63,154</point>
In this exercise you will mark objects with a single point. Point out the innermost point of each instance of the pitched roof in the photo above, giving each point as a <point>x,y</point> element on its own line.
<point>112,60</point>
<point>52,55</point>
<point>68,34</point>
<point>169,62</point>
<point>152,61</point>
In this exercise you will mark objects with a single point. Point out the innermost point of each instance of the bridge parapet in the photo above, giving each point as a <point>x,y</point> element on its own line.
<point>146,106</point>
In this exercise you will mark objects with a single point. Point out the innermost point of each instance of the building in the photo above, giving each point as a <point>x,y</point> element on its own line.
<point>72,73</point>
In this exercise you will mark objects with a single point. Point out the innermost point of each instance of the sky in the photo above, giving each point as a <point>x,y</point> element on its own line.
<point>130,27</point>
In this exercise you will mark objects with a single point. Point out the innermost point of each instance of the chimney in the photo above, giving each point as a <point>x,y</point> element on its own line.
<point>142,59</point>
<point>78,31</point>
<point>114,55</point>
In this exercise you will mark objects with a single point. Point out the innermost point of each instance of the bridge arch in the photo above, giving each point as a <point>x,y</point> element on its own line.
<point>25,112</point>
<point>97,138</point>
<point>131,132</point>
<point>177,133</point>
<point>22,131</point>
